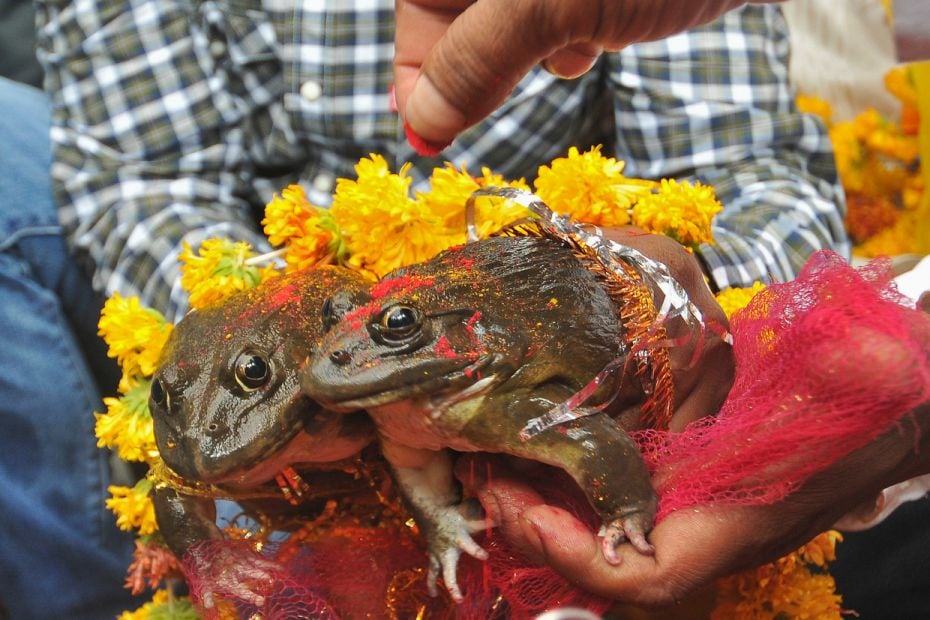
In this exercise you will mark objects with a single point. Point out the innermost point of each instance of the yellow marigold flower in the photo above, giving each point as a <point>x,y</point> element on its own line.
<point>449,191</point>
<point>850,155</point>
<point>912,190</point>
<point>309,232</point>
<point>590,187</point>
<point>134,334</point>
<point>899,81</point>
<point>683,211</point>
<point>816,106</point>
<point>163,606</point>
<point>736,298</point>
<point>220,268</point>
<point>377,208</point>
<point>133,507</point>
<point>127,425</point>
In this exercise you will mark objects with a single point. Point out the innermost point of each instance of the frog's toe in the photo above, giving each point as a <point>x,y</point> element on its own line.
<point>625,529</point>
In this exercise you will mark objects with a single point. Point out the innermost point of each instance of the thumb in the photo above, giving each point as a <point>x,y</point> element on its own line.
<point>477,62</point>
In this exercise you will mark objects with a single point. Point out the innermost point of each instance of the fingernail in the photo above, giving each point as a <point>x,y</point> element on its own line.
<point>431,116</point>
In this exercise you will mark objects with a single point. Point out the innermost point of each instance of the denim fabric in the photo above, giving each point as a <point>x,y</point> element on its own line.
<point>61,555</point>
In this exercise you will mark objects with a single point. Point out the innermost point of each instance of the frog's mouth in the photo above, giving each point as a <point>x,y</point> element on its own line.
<point>326,439</point>
<point>456,384</point>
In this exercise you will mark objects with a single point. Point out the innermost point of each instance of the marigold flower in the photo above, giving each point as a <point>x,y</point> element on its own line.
<point>681,210</point>
<point>163,606</point>
<point>152,563</point>
<point>377,206</point>
<point>134,334</point>
<point>850,155</point>
<point>786,588</point>
<point>309,232</point>
<point>220,268</point>
<point>590,187</point>
<point>737,298</point>
<point>133,507</point>
<point>816,106</point>
<point>866,215</point>
<point>449,191</point>
<point>127,425</point>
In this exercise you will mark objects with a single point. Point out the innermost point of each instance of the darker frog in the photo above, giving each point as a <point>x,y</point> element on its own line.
<point>228,410</point>
<point>463,352</point>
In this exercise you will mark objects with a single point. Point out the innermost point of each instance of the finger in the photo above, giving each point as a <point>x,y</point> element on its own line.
<point>419,24</point>
<point>463,79</point>
<point>572,61</point>
<point>691,548</point>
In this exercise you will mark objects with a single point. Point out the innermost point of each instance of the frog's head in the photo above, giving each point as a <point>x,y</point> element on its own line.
<point>225,398</point>
<point>472,318</point>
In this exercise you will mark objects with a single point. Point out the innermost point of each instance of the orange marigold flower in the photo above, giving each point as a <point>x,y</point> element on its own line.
<point>866,215</point>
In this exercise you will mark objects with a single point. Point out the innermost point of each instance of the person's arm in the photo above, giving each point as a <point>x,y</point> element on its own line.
<point>457,60</point>
<point>152,131</point>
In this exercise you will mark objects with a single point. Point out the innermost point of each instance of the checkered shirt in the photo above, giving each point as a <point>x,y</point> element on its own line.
<point>177,120</point>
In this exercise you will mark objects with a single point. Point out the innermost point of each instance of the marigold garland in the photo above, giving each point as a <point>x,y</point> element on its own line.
<point>365,211</point>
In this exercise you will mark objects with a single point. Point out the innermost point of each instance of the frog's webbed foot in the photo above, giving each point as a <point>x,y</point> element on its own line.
<point>631,528</point>
<point>237,574</point>
<point>450,533</point>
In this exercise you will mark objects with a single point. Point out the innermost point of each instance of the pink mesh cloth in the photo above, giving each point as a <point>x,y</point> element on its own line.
<point>825,364</point>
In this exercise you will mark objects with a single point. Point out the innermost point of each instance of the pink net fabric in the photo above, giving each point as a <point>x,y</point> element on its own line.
<point>825,364</point>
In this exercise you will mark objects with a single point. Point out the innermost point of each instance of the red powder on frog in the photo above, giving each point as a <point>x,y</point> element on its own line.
<point>284,295</point>
<point>401,284</point>
<point>444,348</point>
<point>462,262</point>
<point>358,317</point>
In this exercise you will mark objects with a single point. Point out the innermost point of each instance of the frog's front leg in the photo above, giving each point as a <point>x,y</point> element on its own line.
<point>184,521</point>
<point>595,451</point>
<point>426,481</point>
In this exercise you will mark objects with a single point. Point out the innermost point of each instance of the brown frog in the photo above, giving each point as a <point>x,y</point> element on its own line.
<point>463,352</point>
<point>229,413</point>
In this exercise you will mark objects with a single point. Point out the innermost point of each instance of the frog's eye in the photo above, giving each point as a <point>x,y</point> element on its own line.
<point>327,311</point>
<point>157,394</point>
<point>399,322</point>
<point>252,371</point>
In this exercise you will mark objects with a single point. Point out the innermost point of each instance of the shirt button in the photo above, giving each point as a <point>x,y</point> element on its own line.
<point>324,182</point>
<point>217,48</point>
<point>311,91</point>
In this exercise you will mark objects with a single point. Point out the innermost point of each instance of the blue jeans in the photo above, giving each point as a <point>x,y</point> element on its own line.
<point>61,555</point>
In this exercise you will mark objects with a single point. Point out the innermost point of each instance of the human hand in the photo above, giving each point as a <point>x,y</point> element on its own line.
<point>696,545</point>
<point>457,60</point>
<point>703,365</point>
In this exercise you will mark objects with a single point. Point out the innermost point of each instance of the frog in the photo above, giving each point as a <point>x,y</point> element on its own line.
<point>231,420</point>
<point>462,353</point>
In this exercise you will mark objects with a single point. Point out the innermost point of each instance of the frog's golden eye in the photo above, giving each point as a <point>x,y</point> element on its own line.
<point>399,322</point>
<point>252,371</point>
<point>158,395</point>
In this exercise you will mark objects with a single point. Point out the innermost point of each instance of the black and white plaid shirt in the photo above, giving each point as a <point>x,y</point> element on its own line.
<point>177,120</point>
